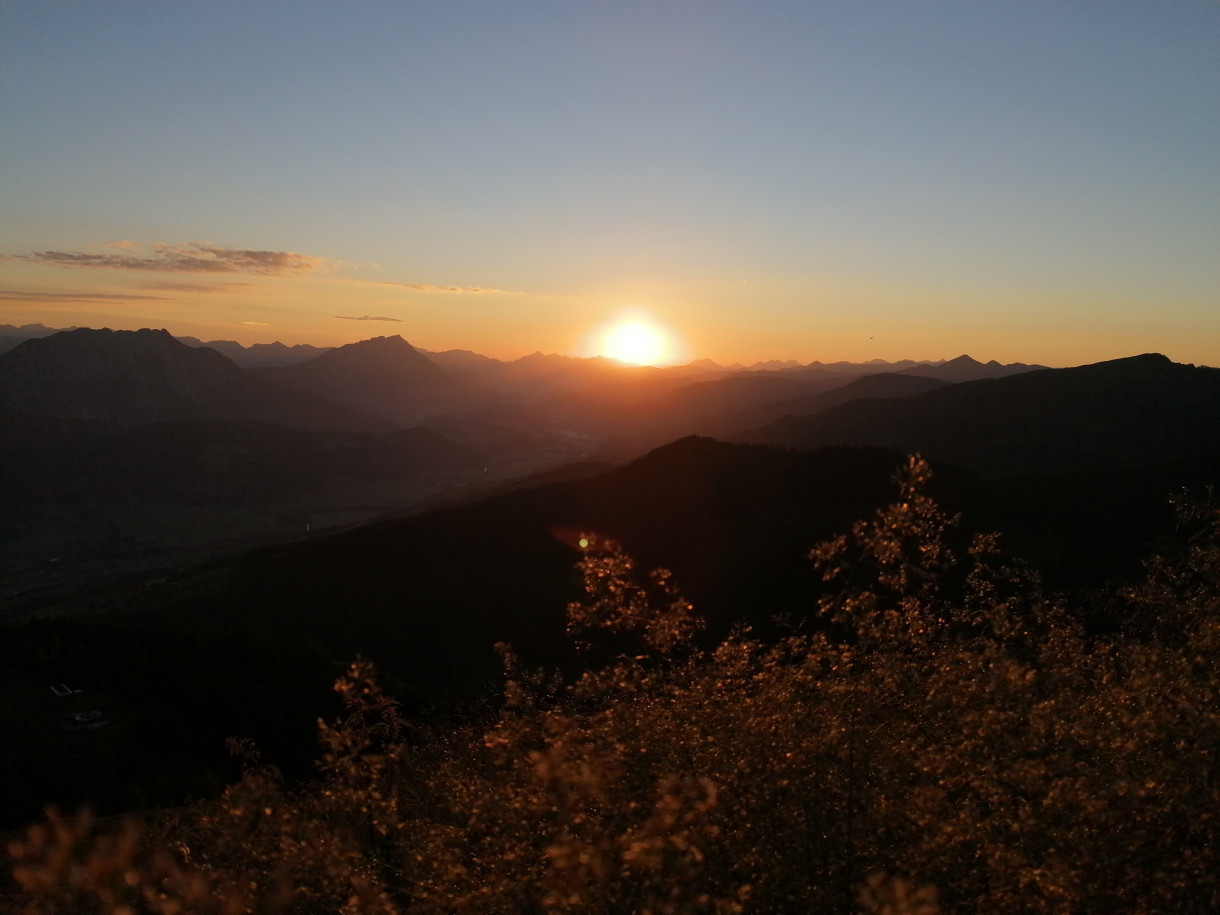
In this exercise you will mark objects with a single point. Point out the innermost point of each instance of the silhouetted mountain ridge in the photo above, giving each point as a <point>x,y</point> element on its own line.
<point>134,377</point>
<point>383,376</point>
<point>260,354</point>
<point>964,368</point>
<point>880,385</point>
<point>1123,412</point>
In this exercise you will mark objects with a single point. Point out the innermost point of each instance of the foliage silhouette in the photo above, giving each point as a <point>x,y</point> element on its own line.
<point>954,727</point>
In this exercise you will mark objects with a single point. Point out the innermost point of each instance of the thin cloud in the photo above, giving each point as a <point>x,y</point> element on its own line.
<point>256,323</point>
<point>194,287</point>
<point>186,258</point>
<point>368,318</point>
<point>430,287</point>
<point>67,298</point>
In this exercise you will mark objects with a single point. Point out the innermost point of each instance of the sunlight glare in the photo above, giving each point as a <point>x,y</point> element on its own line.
<point>637,339</point>
<point>635,342</point>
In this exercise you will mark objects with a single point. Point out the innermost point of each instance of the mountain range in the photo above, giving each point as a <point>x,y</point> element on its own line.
<point>130,378</point>
<point>278,354</point>
<point>123,451</point>
<point>1138,410</point>
<point>173,517</point>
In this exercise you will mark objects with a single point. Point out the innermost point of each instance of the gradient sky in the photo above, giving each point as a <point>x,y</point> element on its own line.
<point>1033,181</point>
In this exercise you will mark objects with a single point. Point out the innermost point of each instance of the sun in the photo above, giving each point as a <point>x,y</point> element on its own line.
<point>635,341</point>
<point>636,337</point>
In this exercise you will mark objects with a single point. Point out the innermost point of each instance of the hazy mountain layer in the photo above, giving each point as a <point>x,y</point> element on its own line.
<point>384,377</point>
<point>882,385</point>
<point>260,354</point>
<point>1112,414</point>
<point>963,368</point>
<point>466,362</point>
<point>135,377</point>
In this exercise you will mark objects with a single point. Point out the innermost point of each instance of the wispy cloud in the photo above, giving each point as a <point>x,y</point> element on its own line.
<point>195,287</point>
<point>256,323</point>
<point>67,298</point>
<point>470,290</point>
<point>190,257</point>
<point>368,318</point>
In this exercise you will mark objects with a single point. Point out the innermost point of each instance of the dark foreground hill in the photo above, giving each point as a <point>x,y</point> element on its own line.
<point>1122,413</point>
<point>955,726</point>
<point>734,522</point>
<point>427,597</point>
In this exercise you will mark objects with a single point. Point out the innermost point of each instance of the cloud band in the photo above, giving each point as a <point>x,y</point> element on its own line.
<point>186,258</point>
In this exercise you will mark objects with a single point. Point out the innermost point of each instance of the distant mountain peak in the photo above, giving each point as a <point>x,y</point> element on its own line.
<point>775,364</point>
<point>104,339</point>
<point>1148,358</point>
<point>967,368</point>
<point>389,350</point>
<point>965,360</point>
<point>394,342</point>
<point>1125,363</point>
<point>382,376</point>
<point>1128,412</point>
<point>120,376</point>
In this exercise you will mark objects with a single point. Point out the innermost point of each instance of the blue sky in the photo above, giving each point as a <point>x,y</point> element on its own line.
<point>1028,181</point>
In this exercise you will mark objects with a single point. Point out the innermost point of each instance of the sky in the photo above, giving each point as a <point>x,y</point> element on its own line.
<point>1027,181</point>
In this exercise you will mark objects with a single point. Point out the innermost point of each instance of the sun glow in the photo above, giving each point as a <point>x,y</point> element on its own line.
<point>635,342</point>
<point>637,339</point>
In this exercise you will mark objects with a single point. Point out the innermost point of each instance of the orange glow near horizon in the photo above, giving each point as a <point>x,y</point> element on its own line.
<point>635,342</point>
<point>637,338</point>
<point>824,318</point>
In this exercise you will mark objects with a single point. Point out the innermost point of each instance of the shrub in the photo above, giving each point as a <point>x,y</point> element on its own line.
<point>942,722</point>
